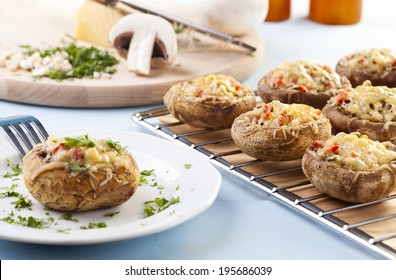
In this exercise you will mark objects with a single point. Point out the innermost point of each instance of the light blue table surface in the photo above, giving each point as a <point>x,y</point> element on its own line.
<point>242,223</point>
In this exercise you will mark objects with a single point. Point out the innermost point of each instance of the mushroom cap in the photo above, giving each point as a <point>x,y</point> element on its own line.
<point>123,30</point>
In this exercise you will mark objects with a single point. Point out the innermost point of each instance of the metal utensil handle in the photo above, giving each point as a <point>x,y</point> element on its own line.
<point>199,28</point>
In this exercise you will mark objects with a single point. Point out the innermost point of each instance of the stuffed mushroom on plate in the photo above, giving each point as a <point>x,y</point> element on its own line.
<point>80,173</point>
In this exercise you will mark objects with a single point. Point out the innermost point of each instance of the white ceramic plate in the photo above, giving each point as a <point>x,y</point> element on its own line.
<point>196,186</point>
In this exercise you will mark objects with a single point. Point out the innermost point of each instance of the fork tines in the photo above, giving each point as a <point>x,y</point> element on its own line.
<point>24,132</point>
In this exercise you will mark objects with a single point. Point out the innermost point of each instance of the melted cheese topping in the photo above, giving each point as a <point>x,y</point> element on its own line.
<point>304,76</point>
<point>374,60</point>
<point>97,156</point>
<point>355,151</point>
<point>288,116</point>
<point>376,104</point>
<point>213,88</point>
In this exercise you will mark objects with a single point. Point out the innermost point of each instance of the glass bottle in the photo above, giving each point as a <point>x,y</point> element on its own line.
<point>336,12</point>
<point>278,10</point>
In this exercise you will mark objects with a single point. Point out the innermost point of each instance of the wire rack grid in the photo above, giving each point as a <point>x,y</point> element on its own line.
<point>284,181</point>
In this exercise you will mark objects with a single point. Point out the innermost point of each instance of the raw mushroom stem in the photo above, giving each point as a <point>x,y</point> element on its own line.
<point>140,51</point>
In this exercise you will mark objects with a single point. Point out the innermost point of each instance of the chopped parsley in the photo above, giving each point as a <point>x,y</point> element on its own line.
<point>144,174</point>
<point>159,204</point>
<point>16,170</point>
<point>22,202</point>
<point>27,221</point>
<point>154,184</point>
<point>94,225</point>
<point>187,165</point>
<point>68,217</point>
<point>143,180</point>
<point>78,168</point>
<point>115,145</point>
<point>147,172</point>
<point>61,230</point>
<point>149,211</point>
<point>111,214</point>
<point>79,141</point>
<point>10,192</point>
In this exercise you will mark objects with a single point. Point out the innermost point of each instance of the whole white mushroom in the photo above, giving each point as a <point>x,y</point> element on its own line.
<point>233,17</point>
<point>148,39</point>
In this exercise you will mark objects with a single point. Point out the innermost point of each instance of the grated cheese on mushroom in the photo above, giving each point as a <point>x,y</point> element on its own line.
<point>355,151</point>
<point>213,88</point>
<point>278,114</point>
<point>82,154</point>
<point>304,76</point>
<point>367,102</point>
<point>375,60</point>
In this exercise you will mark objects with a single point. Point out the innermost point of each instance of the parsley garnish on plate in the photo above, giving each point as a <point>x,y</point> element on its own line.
<point>63,230</point>
<point>144,174</point>
<point>111,214</point>
<point>187,165</point>
<point>159,204</point>
<point>22,202</point>
<point>94,225</point>
<point>147,172</point>
<point>30,221</point>
<point>16,170</point>
<point>68,217</point>
<point>10,191</point>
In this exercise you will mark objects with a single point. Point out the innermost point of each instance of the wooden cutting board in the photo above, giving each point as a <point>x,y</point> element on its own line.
<point>41,23</point>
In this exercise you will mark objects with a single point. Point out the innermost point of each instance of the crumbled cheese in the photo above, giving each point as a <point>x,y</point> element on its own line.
<point>355,151</point>
<point>18,60</point>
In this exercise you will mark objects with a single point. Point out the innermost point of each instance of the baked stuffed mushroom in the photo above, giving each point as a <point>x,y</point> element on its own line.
<point>279,131</point>
<point>80,173</point>
<point>301,82</point>
<point>376,65</point>
<point>212,101</point>
<point>351,167</point>
<point>366,109</point>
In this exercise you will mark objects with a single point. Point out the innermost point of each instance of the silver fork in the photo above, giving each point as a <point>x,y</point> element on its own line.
<point>24,131</point>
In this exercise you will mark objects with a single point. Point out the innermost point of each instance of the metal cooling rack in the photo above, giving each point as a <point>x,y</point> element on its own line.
<point>160,121</point>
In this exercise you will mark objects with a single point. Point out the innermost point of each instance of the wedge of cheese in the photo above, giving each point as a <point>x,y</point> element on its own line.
<point>94,22</point>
